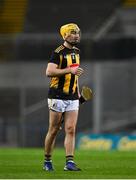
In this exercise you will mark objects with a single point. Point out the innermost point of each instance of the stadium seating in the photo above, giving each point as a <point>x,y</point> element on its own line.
<point>48,16</point>
<point>44,18</point>
<point>129,3</point>
<point>12,14</point>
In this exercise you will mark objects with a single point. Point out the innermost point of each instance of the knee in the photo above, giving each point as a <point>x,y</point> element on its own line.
<point>53,131</point>
<point>70,130</point>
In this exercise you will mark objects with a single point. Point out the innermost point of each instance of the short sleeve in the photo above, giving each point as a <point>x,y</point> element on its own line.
<point>55,58</point>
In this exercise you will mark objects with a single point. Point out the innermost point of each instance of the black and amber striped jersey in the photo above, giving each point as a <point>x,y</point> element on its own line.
<point>65,86</point>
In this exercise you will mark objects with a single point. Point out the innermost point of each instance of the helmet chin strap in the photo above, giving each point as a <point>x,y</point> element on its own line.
<point>71,43</point>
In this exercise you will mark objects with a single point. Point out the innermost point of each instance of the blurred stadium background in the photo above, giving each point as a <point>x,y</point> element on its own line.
<point>29,32</point>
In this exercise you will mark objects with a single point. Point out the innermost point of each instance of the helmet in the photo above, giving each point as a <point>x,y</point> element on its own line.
<point>66,29</point>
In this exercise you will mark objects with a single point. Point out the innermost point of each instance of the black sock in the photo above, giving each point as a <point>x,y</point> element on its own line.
<point>69,158</point>
<point>47,157</point>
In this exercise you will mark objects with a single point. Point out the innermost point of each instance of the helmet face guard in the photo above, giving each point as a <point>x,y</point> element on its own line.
<point>68,29</point>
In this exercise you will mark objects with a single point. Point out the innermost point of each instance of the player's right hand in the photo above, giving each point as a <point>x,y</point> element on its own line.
<point>79,71</point>
<point>76,70</point>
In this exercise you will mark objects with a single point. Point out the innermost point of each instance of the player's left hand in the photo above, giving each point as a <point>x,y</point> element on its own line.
<point>86,94</point>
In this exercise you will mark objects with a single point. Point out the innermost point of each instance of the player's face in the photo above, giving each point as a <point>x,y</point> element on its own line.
<point>74,37</point>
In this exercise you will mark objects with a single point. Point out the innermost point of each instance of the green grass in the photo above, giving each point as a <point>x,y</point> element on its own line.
<point>27,164</point>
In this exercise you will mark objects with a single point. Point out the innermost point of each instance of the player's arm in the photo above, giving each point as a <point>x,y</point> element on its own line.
<point>53,70</point>
<point>78,91</point>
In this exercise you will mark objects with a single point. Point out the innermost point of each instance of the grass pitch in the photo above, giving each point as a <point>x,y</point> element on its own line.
<point>27,164</point>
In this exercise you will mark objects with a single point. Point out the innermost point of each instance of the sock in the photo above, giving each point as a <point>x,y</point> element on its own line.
<point>69,158</point>
<point>47,157</point>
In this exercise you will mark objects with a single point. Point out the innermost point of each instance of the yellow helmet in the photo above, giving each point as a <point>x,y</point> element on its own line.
<point>66,29</point>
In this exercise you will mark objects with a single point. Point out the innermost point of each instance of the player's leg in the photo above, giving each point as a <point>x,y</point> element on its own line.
<point>70,128</point>
<point>54,125</point>
<point>69,143</point>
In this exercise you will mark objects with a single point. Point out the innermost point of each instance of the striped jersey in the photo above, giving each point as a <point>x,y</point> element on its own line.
<point>65,86</point>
